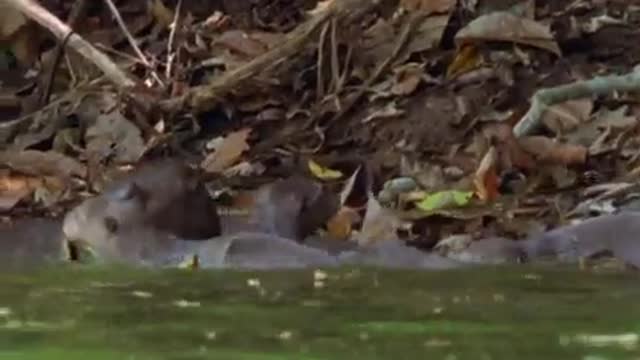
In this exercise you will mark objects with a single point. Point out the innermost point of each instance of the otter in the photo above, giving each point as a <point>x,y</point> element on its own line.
<point>161,200</point>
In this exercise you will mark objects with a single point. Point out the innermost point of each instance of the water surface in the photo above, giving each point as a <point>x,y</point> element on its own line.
<point>76,312</point>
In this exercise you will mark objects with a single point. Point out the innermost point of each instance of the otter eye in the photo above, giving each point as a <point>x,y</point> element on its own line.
<point>111,224</point>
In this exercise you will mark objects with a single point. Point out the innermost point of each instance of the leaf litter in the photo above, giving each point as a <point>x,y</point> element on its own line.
<point>429,96</point>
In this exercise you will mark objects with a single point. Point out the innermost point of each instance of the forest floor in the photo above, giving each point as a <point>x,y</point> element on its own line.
<point>422,114</point>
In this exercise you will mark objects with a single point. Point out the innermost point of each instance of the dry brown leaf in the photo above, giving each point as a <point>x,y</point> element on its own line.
<point>162,14</point>
<point>227,151</point>
<point>549,151</point>
<point>510,152</point>
<point>485,179</point>
<point>588,133</point>
<point>566,116</point>
<point>11,20</point>
<point>36,162</point>
<point>429,6</point>
<point>340,225</point>
<point>15,187</point>
<point>428,34</point>
<point>25,44</point>
<point>504,26</point>
<point>242,43</point>
<point>321,7</point>
<point>377,42</point>
<point>407,78</point>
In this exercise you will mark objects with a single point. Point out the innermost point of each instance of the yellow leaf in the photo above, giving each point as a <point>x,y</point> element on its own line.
<point>467,58</point>
<point>444,199</point>
<point>162,14</point>
<point>322,172</point>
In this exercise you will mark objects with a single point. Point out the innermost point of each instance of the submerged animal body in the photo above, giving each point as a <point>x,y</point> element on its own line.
<point>161,216</point>
<point>618,235</point>
<point>293,207</point>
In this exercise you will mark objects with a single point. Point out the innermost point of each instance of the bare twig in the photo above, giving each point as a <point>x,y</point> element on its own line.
<point>132,41</point>
<point>403,38</point>
<point>76,13</point>
<point>320,63</point>
<point>172,35</point>
<point>60,30</point>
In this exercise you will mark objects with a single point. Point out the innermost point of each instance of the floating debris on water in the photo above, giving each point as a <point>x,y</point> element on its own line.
<point>186,303</point>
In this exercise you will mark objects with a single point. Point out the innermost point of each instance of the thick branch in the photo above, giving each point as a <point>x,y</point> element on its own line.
<point>543,98</point>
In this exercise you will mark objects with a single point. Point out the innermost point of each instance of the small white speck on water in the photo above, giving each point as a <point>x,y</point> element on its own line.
<point>211,335</point>
<point>319,275</point>
<point>5,311</point>
<point>438,310</point>
<point>437,342</point>
<point>186,303</point>
<point>627,341</point>
<point>141,294</point>
<point>532,277</point>
<point>318,284</point>
<point>285,335</point>
<point>253,282</point>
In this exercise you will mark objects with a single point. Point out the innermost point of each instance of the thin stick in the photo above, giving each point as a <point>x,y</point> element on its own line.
<point>320,63</point>
<point>77,11</point>
<point>170,54</point>
<point>132,41</point>
<point>403,38</point>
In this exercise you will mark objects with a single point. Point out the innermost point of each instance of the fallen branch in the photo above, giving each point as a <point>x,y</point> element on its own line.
<point>543,98</point>
<point>202,98</point>
<point>60,30</point>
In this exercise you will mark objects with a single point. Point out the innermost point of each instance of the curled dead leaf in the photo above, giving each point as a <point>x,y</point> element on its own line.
<point>429,6</point>
<point>566,116</point>
<point>227,151</point>
<point>510,152</point>
<point>341,223</point>
<point>407,79</point>
<point>485,179</point>
<point>505,26</point>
